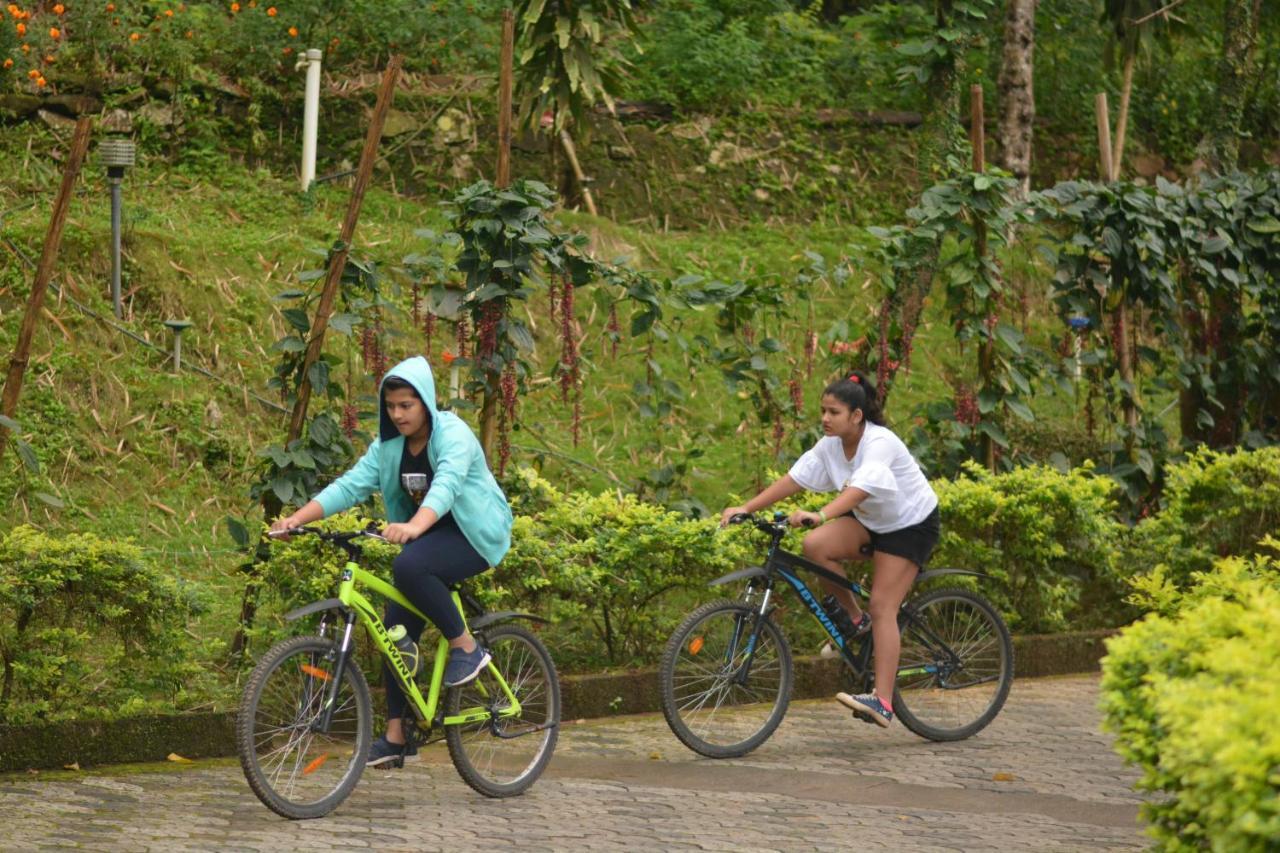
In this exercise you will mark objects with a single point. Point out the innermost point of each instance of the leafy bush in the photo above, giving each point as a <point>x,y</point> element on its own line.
<point>600,565</point>
<point>1216,505</point>
<point>90,629</point>
<point>711,54</point>
<point>1049,538</point>
<point>1190,692</point>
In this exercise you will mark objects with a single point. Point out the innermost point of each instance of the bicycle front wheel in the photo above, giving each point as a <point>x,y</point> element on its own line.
<point>297,770</point>
<point>956,666</point>
<point>502,755</point>
<point>722,695</point>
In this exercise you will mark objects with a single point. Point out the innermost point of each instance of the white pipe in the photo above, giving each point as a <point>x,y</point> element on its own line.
<point>310,115</point>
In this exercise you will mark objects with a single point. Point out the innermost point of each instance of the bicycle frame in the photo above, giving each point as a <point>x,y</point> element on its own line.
<point>355,606</point>
<point>780,563</point>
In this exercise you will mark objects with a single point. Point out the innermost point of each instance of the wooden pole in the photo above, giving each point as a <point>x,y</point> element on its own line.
<point>566,141</point>
<point>44,272</point>
<point>338,261</point>
<point>986,354</point>
<point>1122,120</point>
<point>977,133</point>
<point>1119,317</point>
<point>506,72</point>
<point>1104,135</point>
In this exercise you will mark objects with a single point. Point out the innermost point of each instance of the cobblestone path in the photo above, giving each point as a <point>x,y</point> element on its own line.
<point>1041,777</point>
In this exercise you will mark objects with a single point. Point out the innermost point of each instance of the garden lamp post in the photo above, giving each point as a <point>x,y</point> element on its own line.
<point>117,155</point>
<point>1079,325</point>
<point>178,327</point>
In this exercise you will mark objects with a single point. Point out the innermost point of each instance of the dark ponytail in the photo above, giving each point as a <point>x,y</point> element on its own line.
<point>856,391</point>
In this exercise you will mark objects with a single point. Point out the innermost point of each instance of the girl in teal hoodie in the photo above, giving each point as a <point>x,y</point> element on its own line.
<point>443,505</point>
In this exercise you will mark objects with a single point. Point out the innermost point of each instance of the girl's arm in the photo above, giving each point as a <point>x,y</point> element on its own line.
<point>842,503</point>
<point>422,521</point>
<point>781,489</point>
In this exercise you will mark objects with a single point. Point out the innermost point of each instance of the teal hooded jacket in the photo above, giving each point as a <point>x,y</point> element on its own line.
<point>462,483</point>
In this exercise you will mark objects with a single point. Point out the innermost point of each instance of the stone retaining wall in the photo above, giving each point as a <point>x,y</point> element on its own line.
<point>632,692</point>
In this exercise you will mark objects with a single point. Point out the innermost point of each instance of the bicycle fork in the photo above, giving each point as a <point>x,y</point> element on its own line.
<point>744,671</point>
<point>322,724</point>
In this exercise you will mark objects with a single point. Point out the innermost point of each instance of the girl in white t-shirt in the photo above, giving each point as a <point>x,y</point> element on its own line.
<point>884,505</point>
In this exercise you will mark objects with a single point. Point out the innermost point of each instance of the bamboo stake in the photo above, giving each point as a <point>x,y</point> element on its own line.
<point>570,152</point>
<point>1120,317</point>
<point>1122,120</point>
<point>44,272</point>
<point>1104,135</point>
<point>986,354</point>
<point>506,72</point>
<point>338,261</point>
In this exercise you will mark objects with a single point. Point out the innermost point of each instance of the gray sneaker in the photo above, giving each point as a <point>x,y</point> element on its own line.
<point>464,666</point>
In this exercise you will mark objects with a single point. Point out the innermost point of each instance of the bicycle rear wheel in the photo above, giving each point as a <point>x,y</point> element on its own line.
<point>503,756</point>
<point>956,666</point>
<point>296,771</point>
<point>708,703</point>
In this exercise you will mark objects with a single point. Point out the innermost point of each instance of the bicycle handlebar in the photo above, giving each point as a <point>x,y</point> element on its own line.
<point>340,537</point>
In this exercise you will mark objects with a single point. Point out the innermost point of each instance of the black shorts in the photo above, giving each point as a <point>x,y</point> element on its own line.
<point>915,543</point>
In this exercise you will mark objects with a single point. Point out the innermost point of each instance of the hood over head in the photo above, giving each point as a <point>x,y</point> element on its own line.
<point>417,372</point>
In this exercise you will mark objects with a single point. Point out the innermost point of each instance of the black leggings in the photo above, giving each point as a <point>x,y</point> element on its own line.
<point>423,573</point>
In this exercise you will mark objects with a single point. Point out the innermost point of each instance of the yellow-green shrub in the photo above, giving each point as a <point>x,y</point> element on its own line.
<point>1191,693</point>
<point>1048,538</point>
<point>1215,505</point>
<point>602,565</point>
<point>90,629</point>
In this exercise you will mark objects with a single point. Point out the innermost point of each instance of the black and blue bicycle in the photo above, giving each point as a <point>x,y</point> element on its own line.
<point>727,674</point>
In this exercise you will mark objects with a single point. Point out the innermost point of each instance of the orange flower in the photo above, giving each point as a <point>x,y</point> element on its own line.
<point>13,10</point>
<point>235,7</point>
<point>22,29</point>
<point>168,13</point>
<point>293,32</point>
<point>33,74</point>
<point>40,81</point>
<point>288,50</point>
<point>111,7</point>
<point>447,357</point>
<point>134,36</point>
<point>190,33</point>
<point>54,33</point>
<point>59,9</point>
<point>271,12</point>
<point>8,63</point>
<point>48,60</point>
<point>26,48</point>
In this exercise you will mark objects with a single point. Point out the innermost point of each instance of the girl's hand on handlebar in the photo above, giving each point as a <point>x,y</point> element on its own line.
<point>280,525</point>
<point>803,518</point>
<point>399,534</point>
<point>730,513</point>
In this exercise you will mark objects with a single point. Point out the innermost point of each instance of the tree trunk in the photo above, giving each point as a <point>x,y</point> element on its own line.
<point>1220,147</point>
<point>1017,97</point>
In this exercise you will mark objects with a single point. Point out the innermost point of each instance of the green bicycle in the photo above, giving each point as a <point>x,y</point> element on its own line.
<point>304,725</point>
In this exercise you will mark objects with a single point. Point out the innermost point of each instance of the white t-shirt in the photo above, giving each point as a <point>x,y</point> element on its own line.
<point>898,493</point>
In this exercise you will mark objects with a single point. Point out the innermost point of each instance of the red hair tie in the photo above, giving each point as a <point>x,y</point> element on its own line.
<point>853,377</point>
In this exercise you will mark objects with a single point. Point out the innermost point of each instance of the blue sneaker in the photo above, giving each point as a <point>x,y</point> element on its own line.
<point>867,707</point>
<point>464,666</point>
<point>385,753</point>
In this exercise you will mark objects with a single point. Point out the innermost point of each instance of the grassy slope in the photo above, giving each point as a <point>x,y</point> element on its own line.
<point>136,451</point>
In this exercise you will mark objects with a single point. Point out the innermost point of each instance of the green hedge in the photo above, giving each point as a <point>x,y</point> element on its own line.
<point>1049,539</point>
<point>90,629</point>
<point>1191,693</point>
<point>607,569</point>
<point>1216,505</point>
